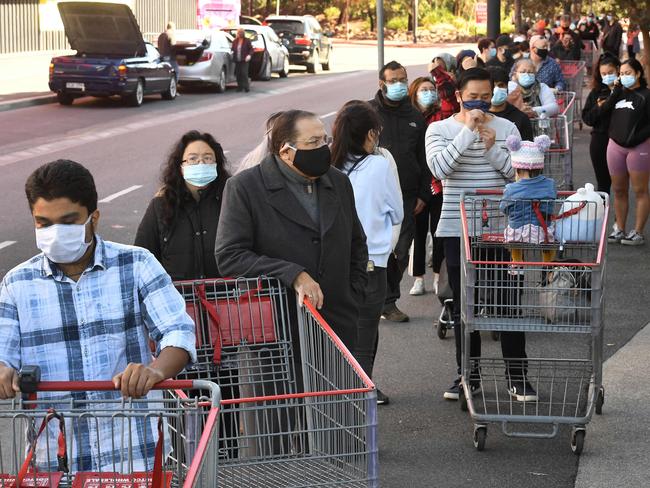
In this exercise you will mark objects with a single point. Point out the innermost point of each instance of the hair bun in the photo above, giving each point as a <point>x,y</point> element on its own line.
<point>543,142</point>
<point>513,142</point>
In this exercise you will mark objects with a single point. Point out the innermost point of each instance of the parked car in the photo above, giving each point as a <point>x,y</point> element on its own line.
<point>204,57</point>
<point>245,19</point>
<point>303,36</point>
<point>108,61</point>
<point>269,55</point>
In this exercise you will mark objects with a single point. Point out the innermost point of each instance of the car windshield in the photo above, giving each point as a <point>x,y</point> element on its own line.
<point>292,26</point>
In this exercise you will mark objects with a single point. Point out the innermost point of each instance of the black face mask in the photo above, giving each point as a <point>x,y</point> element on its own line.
<point>313,162</point>
<point>542,53</point>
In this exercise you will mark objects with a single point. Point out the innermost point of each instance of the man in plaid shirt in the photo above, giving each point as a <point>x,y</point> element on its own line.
<point>84,309</point>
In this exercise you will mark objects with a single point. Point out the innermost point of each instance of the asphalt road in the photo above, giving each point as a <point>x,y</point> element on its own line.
<point>424,440</point>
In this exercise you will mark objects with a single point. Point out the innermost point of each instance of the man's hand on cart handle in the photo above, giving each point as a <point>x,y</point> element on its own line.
<point>9,384</point>
<point>305,286</point>
<point>138,379</point>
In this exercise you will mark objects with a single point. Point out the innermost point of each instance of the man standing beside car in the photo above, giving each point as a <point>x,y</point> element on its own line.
<point>403,135</point>
<point>242,50</point>
<point>166,42</point>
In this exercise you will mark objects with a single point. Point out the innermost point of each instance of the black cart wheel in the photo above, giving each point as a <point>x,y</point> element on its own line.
<point>600,401</point>
<point>480,435</point>
<point>442,330</point>
<point>577,441</point>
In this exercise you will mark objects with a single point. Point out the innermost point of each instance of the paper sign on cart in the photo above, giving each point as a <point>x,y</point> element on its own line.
<point>117,480</point>
<point>38,480</point>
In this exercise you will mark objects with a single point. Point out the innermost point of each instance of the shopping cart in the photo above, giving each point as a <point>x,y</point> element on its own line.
<point>574,75</point>
<point>558,160</point>
<point>312,424</point>
<point>83,435</point>
<point>243,339</point>
<point>557,288</point>
<point>589,55</point>
<point>566,101</point>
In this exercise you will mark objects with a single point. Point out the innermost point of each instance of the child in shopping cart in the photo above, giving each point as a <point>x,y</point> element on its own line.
<point>528,202</point>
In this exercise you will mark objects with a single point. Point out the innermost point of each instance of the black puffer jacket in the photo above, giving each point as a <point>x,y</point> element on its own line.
<point>592,115</point>
<point>186,247</point>
<point>403,135</point>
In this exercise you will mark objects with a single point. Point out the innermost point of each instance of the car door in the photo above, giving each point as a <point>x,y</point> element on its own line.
<point>226,45</point>
<point>275,47</point>
<point>157,71</point>
<point>317,34</point>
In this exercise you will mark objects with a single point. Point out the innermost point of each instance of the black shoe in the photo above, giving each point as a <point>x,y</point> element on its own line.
<point>522,391</point>
<point>453,392</point>
<point>381,398</point>
<point>394,314</point>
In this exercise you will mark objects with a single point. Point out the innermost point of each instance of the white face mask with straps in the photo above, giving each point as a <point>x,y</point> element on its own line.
<point>63,243</point>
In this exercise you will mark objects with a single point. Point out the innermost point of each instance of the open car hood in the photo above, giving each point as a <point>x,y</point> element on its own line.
<point>102,28</point>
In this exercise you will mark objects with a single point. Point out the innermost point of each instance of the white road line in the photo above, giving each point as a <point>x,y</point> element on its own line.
<point>6,244</point>
<point>112,197</point>
<point>328,115</point>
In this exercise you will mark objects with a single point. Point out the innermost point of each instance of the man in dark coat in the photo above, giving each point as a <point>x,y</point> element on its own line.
<point>612,36</point>
<point>293,217</point>
<point>242,51</point>
<point>403,135</point>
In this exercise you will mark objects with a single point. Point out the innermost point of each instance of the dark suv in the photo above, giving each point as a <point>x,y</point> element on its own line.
<point>303,36</point>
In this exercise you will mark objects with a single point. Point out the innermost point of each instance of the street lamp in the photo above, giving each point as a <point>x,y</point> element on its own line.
<point>277,7</point>
<point>380,33</point>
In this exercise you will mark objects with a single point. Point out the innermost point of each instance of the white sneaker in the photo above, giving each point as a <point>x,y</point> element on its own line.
<point>633,238</point>
<point>418,287</point>
<point>617,235</point>
<point>436,279</point>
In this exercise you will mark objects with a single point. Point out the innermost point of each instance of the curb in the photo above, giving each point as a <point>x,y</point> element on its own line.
<point>27,102</point>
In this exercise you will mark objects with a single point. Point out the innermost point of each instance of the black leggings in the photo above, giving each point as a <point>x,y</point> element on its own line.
<point>425,221</point>
<point>598,153</point>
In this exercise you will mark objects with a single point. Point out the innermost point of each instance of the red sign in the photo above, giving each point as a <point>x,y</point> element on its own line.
<point>31,480</point>
<point>117,480</point>
<point>481,13</point>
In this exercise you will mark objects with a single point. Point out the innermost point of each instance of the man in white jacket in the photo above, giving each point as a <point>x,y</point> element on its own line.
<point>467,152</point>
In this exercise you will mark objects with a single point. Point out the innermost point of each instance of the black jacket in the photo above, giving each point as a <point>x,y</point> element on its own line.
<point>403,135</point>
<point>520,119</point>
<point>630,116</point>
<point>592,115</point>
<point>612,38</point>
<point>572,54</point>
<point>186,247</point>
<point>264,230</point>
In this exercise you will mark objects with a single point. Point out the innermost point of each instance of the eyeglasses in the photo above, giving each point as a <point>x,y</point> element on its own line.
<point>205,159</point>
<point>402,80</point>
<point>316,142</point>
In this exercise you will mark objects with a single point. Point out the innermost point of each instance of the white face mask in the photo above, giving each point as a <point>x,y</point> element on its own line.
<point>63,243</point>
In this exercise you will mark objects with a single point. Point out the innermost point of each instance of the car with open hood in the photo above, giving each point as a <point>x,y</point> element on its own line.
<point>111,57</point>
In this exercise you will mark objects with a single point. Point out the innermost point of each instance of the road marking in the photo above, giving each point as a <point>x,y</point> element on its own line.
<point>6,244</point>
<point>328,115</point>
<point>78,139</point>
<point>112,197</point>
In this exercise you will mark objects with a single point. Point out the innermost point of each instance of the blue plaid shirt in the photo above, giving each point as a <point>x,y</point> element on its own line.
<point>550,73</point>
<point>90,330</point>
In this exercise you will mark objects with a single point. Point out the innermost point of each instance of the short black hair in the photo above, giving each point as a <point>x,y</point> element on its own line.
<point>391,65</point>
<point>474,74</point>
<point>62,179</point>
<point>503,40</point>
<point>484,43</point>
<point>498,74</point>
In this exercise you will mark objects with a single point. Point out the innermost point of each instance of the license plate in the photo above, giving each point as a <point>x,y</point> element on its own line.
<point>76,86</point>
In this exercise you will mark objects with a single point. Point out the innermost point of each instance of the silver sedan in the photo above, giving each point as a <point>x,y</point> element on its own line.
<point>205,58</point>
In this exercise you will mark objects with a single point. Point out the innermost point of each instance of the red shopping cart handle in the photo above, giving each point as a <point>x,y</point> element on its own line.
<point>107,385</point>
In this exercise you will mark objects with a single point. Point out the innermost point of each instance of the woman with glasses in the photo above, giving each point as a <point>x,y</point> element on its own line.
<point>180,225</point>
<point>427,98</point>
<point>528,94</point>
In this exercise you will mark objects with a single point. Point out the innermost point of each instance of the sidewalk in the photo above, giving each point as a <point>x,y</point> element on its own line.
<point>617,443</point>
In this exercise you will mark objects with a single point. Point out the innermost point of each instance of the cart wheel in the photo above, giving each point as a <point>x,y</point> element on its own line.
<point>495,334</point>
<point>462,400</point>
<point>600,401</point>
<point>577,441</point>
<point>480,435</point>
<point>442,330</point>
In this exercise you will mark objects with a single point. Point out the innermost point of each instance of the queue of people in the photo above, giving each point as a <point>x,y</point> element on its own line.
<point>332,218</point>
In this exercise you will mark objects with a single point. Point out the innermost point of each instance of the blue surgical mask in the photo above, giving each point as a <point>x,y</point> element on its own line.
<point>609,79</point>
<point>526,55</point>
<point>427,98</point>
<point>396,91</point>
<point>200,175</point>
<point>628,81</point>
<point>499,96</point>
<point>493,52</point>
<point>526,79</point>
<point>477,104</point>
